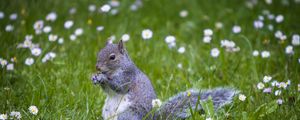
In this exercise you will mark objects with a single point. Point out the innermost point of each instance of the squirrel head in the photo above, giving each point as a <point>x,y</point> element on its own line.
<point>112,57</point>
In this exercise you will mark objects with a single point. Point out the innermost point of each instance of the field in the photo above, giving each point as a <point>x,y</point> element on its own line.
<point>49,48</point>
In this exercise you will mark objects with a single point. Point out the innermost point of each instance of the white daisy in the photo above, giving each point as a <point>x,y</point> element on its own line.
<point>271,27</point>
<point>92,8</point>
<point>183,13</point>
<point>15,114</point>
<point>52,37</point>
<point>279,18</point>
<point>73,37</point>
<point>51,16</point>
<point>214,52</point>
<point>170,39</point>
<point>114,3</point>
<point>1,15</point>
<point>207,39</point>
<point>208,32</point>
<point>156,103</point>
<point>147,34</point>
<point>100,28</point>
<point>181,50</point>
<point>114,11</point>
<point>125,37</point>
<point>72,11</point>
<point>267,79</point>
<point>179,65</point>
<point>105,8</point>
<point>3,62</point>
<point>268,2</point>
<point>296,40</point>
<point>282,85</point>
<point>279,101</point>
<point>10,66</point>
<point>9,28</point>
<point>219,25</point>
<point>258,24</point>
<point>78,31</point>
<point>265,54</point>
<point>236,29</point>
<point>260,85</point>
<point>47,29</point>
<point>3,116</point>
<point>38,25</point>
<point>36,51</point>
<point>289,50</point>
<point>68,24</point>
<point>29,61</point>
<point>242,97</point>
<point>33,110</point>
<point>255,53</point>
<point>13,16</point>
<point>60,40</point>
<point>277,92</point>
<point>209,118</point>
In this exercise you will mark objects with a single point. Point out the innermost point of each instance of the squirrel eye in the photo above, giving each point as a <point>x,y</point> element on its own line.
<point>112,57</point>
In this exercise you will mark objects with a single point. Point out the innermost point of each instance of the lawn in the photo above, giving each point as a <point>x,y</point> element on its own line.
<point>250,45</point>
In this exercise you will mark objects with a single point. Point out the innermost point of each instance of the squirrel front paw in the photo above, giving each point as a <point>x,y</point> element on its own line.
<point>98,78</point>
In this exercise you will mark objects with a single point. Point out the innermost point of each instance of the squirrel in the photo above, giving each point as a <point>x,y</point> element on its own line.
<point>130,92</point>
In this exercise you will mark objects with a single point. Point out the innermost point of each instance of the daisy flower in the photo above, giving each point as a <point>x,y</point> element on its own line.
<point>277,92</point>
<point>29,61</point>
<point>100,28</point>
<point>181,50</point>
<point>60,40</point>
<point>51,16</point>
<point>10,66</point>
<point>279,101</point>
<point>242,97</point>
<point>15,114</point>
<point>156,103</point>
<point>207,39</point>
<point>214,52</point>
<point>73,37</point>
<point>255,53</point>
<point>33,110</point>
<point>267,79</point>
<point>68,24</point>
<point>260,85</point>
<point>105,8</point>
<point>236,29</point>
<point>258,24</point>
<point>183,13</point>
<point>1,15</point>
<point>72,11</point>
<point>92,8</point>
<point>289,50</point>
<point>147,34</point>
<point>279,18</point>
<point>296,40</point>
<point>3,62</point>
<point>267,90</point>
<point>125,37</point>
<point>13,16</point>
<point>78,31</point>
<point>9,28</point>
<point>265,54</point>
<point>179,65</point>
<point>219,25</point>
<point>52,37</point>
<point>3,116</point>
<point>208,32</point>
<point>47,29</point>
<point>36,51</point>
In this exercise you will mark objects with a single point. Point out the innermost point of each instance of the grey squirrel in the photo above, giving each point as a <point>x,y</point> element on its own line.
<point>130,92</point>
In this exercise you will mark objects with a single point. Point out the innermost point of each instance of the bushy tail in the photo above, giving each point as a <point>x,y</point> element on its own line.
<point>178,106</point>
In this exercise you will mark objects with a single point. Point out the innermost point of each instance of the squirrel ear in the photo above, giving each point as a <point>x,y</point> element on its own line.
<point>121,47</point>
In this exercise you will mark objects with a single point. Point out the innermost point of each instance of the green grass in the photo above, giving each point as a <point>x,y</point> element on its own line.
<point>61,89</point>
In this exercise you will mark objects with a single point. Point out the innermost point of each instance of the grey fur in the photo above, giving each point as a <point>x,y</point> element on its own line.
<point>121,76</point>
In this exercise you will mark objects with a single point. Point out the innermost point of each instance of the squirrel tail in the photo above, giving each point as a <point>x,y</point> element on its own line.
<point>179,105</point>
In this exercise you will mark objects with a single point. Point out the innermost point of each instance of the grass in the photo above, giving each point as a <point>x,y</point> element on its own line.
<point>61,89</point>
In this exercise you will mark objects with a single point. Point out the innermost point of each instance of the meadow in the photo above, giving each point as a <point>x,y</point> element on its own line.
<point>49,48</point>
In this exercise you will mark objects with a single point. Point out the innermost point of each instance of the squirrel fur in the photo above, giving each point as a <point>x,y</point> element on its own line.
<point>130,92</point>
